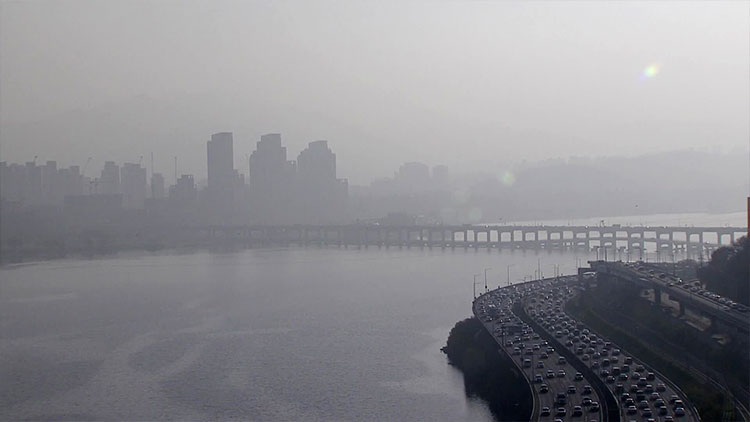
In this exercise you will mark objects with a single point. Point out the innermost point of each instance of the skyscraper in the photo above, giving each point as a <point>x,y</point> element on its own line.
<point>157,185</point>
<point>133,185</point>
<point>322,196</point>
<point>221,176</point>
<point>271,179</point>
<point>109,182</point>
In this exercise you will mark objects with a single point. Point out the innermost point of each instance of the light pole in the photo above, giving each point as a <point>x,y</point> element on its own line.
<point>507,267</point>
<point>475,285</point>
<point>539,267</point>
<point>485,279</point>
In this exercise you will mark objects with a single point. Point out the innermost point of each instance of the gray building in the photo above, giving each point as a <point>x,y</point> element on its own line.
<point>133,185</point>
<point>321,195</point>
<point>221,177</point>
<point>271,180</point>
<point>109,181</point>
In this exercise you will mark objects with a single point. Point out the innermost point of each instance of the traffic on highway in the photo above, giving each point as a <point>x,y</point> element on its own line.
<point>560,392</point>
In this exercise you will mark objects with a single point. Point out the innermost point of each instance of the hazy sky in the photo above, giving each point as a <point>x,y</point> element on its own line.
<point>474,85</point>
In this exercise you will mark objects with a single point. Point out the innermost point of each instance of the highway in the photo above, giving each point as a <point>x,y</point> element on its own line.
<point>737,316</point>
<point>521,343</point>
<point>640,393</point>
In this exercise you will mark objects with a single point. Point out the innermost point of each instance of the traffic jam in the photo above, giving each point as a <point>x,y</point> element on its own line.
<point>560,392</point>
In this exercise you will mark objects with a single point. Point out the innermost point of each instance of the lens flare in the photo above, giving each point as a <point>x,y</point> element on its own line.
<point>509,178</point>
<point>650,71</point>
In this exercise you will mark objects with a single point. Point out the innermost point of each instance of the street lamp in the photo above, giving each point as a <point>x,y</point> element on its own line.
<point>508,270</point>
<point>485,279</point>
<point>475,285</point>
<point>539,267</point>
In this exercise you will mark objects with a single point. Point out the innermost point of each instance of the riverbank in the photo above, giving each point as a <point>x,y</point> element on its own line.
<point>488,374</point>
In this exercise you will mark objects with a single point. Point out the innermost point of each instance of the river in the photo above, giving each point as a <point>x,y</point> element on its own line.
<point>313,334</point>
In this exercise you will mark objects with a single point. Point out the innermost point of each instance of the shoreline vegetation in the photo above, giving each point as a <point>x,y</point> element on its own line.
<point>488,374</point>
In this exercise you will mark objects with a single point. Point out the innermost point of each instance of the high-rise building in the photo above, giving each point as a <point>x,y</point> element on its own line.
<point>221,177</point>
<point>71,181</point>
<point>109,181</point>
<point>133,185</point>
<point>271,179</point>
<point>157,185</point>
<point>32,192</point>
<point>184,192</point>
<point>317,162</point>
<point>322,196</point>
<point>51,194</point>
<point>441,177</point>
<point>412,177</point>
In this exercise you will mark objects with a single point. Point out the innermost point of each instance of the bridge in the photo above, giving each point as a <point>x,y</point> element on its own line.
<point>690,241</point>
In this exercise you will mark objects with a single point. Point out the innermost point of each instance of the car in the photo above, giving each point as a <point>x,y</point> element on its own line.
<point>540,365</point>
<point>577,411</point>
<point>610,379</point>
<point>571,389</point>
<point>679,411</point>
<point>545,411</point>
<point>561,373</point>
<point>662,410</point>
<point>538,378</point>
<point>586,401</point>
<point>594,407</point>
<point>661,387</point>
<point>643,404</point>
<point>650,376</point>
<point>622,377</point>
<point>586,389</point>
<point>561,411</point>
<point>578,376</point>
<point>543,388</point>
<point>673,398</point>
<point>631,410</point>
<point>646,413</point>
<point>550,373</point>
<point>561,398</point>
<point>678,403</point>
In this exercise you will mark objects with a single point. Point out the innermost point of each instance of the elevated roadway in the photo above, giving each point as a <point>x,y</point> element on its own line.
<point>736,318</point>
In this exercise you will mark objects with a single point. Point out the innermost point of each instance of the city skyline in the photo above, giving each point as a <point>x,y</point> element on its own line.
<point>522,81</point>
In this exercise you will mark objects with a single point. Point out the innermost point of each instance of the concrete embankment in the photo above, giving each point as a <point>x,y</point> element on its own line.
<point>489,375</point>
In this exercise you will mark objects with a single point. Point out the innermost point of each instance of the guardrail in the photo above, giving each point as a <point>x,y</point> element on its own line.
<point>534,396</point>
